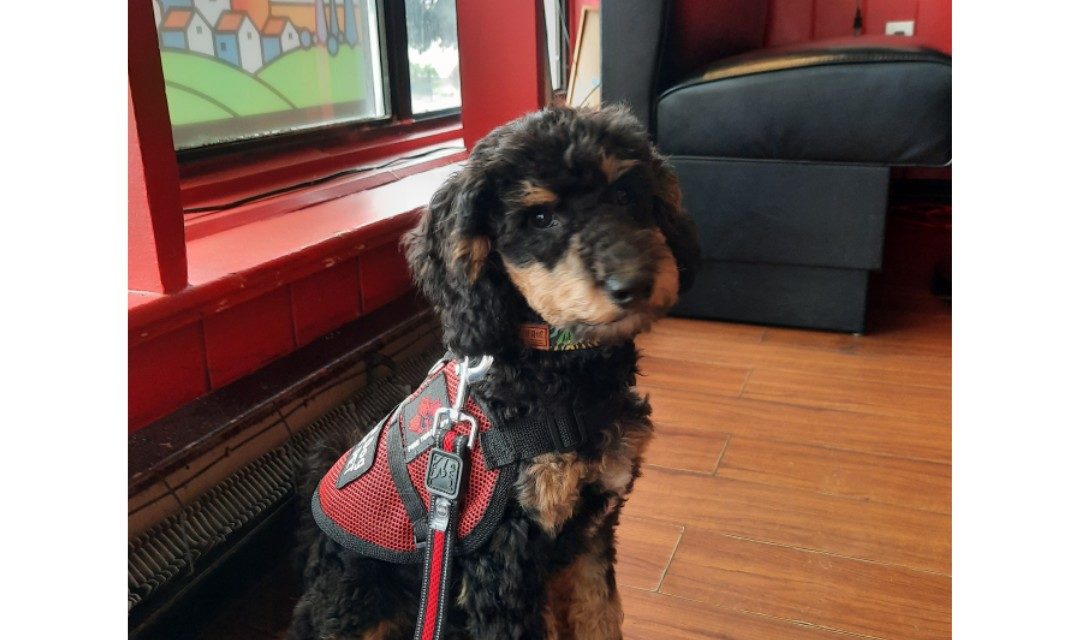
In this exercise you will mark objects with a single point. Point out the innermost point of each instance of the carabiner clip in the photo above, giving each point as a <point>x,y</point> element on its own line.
<point>468,374</point>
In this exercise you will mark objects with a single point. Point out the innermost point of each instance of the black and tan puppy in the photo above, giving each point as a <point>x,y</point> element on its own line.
<point>565,217</point>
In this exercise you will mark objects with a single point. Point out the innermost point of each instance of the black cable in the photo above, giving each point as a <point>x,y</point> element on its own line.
<point>315,181</point>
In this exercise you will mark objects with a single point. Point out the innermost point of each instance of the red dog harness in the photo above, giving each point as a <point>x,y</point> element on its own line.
<point>375,501</point>
<point>426,449</point>
<point>417,487</point>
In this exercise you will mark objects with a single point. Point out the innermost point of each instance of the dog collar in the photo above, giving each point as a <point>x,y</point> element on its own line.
<point>544,337</point>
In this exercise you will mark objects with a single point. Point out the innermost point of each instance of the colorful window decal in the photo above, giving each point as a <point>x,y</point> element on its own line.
<point>237,69</point>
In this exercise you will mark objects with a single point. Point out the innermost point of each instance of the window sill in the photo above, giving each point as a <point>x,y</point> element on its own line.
<point>237,174</point>
<point>269,278</point>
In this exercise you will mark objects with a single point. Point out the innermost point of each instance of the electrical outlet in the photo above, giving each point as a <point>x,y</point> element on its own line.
<point>900,28</point>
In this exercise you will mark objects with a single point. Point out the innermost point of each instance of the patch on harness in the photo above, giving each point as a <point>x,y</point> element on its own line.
<point>360,457</point>
<point>418,417</point>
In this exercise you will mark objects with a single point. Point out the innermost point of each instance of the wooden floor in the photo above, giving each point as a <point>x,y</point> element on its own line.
<point>798,487</point>
<point>800,484</point>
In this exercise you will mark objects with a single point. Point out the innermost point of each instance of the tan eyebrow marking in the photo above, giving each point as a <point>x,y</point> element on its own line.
<point>615,167</point>
<point>533,194</point>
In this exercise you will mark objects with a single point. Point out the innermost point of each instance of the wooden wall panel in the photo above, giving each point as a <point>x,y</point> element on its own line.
<point>164,373</point>
<point>326,300</point>
<point>247,336</point>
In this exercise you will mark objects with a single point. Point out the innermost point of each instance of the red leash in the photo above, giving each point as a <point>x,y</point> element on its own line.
<point>446,473</point>
<point>444,479</point>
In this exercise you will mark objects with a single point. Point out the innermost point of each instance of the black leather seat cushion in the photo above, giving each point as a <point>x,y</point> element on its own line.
<point>837,101</point>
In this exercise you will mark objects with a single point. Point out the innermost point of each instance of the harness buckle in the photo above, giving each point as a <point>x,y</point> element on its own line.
<point>569,430</point>
<point>582,421</point>
<point>445,418</point>
<point>440,513</point>
<point>444,474</point>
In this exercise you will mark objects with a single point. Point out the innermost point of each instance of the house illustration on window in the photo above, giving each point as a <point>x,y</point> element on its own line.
<point>186,29</point>
<point>279,36</point>
<point>168,5</point>
<point>237,41</point>
<point>212,9</point>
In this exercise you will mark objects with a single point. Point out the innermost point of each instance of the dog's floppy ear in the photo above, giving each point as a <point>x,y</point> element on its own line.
<point>677,227</point>
<point>460,204</point>
<point>448,255</point>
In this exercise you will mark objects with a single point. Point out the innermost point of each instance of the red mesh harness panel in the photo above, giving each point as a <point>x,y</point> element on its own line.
<point>359,505</point>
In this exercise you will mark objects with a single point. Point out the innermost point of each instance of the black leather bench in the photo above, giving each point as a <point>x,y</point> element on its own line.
<point>784,157</point>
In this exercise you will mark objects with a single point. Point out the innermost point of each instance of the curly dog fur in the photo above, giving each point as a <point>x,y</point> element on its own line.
<point>570,217</point>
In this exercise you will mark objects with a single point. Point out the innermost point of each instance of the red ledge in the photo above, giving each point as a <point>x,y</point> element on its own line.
<point>199,225</point>
<point>255,173</point>
<point>236,264</point>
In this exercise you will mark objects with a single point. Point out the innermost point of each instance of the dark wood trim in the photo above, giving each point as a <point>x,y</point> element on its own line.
<point>201,160</point>
<point>396,45</point>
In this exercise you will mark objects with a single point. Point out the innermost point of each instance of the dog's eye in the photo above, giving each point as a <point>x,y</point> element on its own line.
<point>622,197</point>
<point>543,219</point>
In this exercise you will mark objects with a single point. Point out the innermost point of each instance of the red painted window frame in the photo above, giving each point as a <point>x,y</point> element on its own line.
<point>177,314</point>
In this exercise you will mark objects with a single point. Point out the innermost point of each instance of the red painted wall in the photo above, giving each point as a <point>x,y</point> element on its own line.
<point>792,21</point>
<point>186,340</point>
<point>144,273</point>
<point>156,259</point>
<point>178,359</point>
<point>499,45</point>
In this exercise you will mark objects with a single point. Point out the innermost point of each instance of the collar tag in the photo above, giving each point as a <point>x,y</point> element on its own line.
<point>543,336</point>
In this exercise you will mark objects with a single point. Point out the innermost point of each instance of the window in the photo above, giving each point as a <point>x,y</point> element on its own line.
<point>276,67</point>
<point>433,55</point>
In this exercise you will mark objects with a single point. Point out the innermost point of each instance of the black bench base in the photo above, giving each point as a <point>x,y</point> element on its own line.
<point>777,294</point>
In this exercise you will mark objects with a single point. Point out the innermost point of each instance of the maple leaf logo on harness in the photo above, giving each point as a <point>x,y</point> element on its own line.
<point>425,415</point>
<point>418,416</point>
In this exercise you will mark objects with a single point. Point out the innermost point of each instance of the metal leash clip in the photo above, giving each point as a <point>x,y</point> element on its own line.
<point>445,418</point>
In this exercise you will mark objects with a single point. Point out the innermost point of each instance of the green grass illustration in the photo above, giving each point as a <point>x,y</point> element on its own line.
<point>203,89</point>
<point>313,77</point>
<point>216,82</point>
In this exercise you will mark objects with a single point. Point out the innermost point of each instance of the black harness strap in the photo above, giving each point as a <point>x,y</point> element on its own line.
<point>395,455</point>
<point>445,479</point>
<point>560,429</point>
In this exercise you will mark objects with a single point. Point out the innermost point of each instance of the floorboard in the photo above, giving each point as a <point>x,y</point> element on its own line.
<point>810,587</point>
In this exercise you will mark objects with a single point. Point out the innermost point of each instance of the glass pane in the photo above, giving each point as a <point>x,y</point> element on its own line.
<point>433,54</point>
<point>238,69</point>
<point>557,35</point>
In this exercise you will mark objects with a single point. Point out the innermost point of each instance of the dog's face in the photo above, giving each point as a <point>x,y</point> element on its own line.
<point>569,214</point>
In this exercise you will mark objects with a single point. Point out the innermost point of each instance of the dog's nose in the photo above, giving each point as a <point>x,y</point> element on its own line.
<point>625,291</point>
